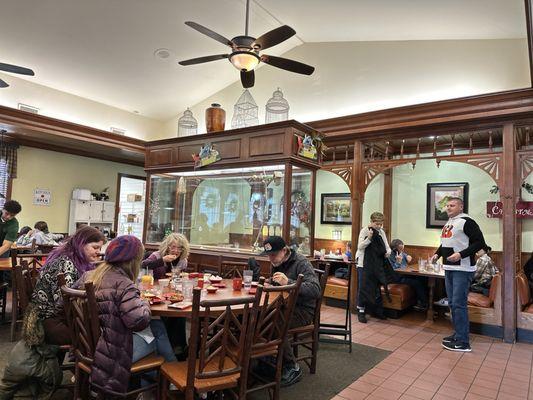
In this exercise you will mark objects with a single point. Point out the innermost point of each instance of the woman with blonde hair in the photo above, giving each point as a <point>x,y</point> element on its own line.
<point>173,252</point>
<point>127,331</point>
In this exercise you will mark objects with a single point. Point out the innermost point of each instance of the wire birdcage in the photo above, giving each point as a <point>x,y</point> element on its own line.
<point>187,124</point>
<point>245,111</point>
<point>277,108</point>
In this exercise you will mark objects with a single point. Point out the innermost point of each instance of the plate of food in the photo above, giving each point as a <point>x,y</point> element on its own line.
<point>219,285</point>
<point>156,300</point>
<point>175,298</point>
<point>147,295</point>
<point>211,289</point>
<point>215,279</point>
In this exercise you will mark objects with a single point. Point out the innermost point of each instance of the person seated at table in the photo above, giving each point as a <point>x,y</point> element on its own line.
<point>287,264</point>
<point>128,332</point>
<point>173,252</point>
<point>73,258</point>
<point>399,259</point>
<point>23,231</point>
<point>365,239</point>
<point>41,235</point>
<point>9,226</point>
<point>485,271</point>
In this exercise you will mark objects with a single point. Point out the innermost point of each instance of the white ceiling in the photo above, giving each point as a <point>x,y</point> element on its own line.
<point>103,50</point>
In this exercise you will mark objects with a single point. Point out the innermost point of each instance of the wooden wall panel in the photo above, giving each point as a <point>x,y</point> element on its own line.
<point>229,149</point>
<point>160,157</point>
<point>267,145</point>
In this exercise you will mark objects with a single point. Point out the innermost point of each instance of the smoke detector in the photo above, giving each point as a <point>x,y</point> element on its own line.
<point>162,54</point>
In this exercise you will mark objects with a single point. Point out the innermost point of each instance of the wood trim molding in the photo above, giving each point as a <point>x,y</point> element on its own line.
<point>448,115</point>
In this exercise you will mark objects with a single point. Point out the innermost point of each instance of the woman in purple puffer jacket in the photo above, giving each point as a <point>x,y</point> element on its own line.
<point>127,333</point>
<point>173,252</point>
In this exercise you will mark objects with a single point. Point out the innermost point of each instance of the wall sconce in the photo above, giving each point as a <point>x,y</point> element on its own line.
<point>336,234</point>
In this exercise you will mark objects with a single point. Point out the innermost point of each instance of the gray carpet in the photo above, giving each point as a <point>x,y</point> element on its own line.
<point>336,370</point>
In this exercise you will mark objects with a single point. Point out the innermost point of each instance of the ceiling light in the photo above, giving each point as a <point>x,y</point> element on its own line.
<point>244,60</point>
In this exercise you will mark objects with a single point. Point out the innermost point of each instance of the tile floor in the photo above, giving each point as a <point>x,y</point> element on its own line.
<point>419,369</point>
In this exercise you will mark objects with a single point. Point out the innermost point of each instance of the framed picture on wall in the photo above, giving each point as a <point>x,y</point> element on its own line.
<point>437,197</point>
<point>336,208</point>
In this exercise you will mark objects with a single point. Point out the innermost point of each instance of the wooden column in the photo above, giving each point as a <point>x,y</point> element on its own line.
<point>508,198</point>
<point>387,203</point>
<point>357,208</point>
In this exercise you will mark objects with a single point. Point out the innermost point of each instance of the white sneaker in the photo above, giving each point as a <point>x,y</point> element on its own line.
<point>442,302</point>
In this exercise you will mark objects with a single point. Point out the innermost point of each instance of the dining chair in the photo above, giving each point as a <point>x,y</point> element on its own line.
<point>217,347</point>
<point>307,336</point>
<point>81,312</point>
<point>23,282</point>
<point>232,269</point>
<point>270,331</point>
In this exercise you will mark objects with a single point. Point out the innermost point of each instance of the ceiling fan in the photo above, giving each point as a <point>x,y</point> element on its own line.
<point>245,51</point>
<point>15,69</point>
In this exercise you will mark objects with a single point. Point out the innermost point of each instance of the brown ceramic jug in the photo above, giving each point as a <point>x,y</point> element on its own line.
<point>215,118</point>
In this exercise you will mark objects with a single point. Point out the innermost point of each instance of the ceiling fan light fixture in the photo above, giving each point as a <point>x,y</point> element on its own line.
<point>244,60</point>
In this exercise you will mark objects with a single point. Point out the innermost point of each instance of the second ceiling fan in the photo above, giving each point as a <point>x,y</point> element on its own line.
<point>245,51</point>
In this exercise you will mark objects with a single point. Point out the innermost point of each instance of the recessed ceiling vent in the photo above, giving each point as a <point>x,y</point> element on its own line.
<point>27,108</point>
<point>118,131</point>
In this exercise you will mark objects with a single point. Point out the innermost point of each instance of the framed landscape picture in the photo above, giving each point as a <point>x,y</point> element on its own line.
<point>336,208</point>
<point>437,197</point>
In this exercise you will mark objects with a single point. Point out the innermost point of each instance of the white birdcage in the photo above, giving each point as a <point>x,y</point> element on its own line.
<point>277,108</point>
<point>187,124</point>
<point>245,111</point>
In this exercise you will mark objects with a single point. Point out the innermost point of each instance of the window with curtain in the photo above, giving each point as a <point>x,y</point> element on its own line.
<point>8,167</point>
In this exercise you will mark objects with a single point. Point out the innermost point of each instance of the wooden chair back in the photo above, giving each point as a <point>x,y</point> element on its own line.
<point>273,316</point>
<point>522,287</point>
<point>215,341</point>
<point>232,269</point>
<point>25,280</point>
<point>81,313</point>
<point>494,286</point>
<point>322,275</point>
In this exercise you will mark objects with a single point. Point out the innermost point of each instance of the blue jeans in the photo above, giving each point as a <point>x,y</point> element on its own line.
<point>457,287</point>
<point>160,345</point>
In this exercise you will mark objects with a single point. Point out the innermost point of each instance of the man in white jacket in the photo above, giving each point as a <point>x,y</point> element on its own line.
<point>460,239</point>
<point>376,222</point>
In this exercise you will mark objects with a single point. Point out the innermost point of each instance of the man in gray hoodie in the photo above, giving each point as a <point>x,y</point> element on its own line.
<point>287,264</point>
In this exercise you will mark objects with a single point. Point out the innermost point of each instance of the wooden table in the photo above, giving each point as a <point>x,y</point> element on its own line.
<point>163,310</point>
<point>5,264</point>
<point>432,278</point>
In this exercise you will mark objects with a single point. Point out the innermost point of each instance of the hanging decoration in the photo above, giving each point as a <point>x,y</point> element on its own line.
<point>307,148</point>
<point>207,155</point>
<point>187,124</point>
<point>277,108</point>
<point>245,111</point>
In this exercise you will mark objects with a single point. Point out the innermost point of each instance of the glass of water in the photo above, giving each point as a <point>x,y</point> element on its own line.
<point>247,276</point>
<point>187,289</point>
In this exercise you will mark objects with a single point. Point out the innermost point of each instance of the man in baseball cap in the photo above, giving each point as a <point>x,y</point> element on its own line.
<point>287,264</point>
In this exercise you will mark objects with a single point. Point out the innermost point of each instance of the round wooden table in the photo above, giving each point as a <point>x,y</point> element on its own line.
<point>163,309</point>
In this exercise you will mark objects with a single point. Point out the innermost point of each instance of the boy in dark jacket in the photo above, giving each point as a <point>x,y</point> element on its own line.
<point>287,264</point>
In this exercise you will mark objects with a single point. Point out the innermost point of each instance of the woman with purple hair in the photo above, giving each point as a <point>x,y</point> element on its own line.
<point>74,257</point>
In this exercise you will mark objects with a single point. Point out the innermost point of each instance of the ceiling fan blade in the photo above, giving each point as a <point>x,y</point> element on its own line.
<point>289,65</point>
<point>3,84</point>
<point>210,33</point>
<point>200,60</point>
<point>16,69</point>
<point>274,37</point>
<point>247,79</point>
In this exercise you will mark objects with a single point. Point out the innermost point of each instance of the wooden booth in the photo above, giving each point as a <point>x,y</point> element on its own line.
<point>251,183</point>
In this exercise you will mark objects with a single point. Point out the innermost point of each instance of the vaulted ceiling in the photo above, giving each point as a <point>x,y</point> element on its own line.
<point>103,50</point>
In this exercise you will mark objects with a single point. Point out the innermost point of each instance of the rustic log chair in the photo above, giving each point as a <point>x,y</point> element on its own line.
<point>270,331</point>
<point>217,347</point>
<point>25,275</point>
<point>3,298</point>
<point>81,312</point>
<point>307,336</point>
<point>232,269</point>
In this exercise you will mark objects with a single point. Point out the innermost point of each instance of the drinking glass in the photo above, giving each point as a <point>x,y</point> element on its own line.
<point>422,265</point>
<point>247,276</point>
<point>187,289</point>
